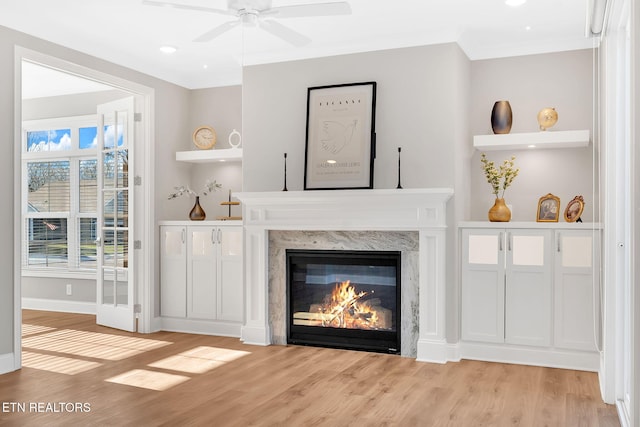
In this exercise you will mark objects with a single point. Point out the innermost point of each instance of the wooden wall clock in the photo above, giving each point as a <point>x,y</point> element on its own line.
<point>204,137</point>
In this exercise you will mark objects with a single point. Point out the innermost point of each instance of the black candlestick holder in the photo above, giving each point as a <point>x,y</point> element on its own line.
<point>399,150</point>
<point>285,173</point>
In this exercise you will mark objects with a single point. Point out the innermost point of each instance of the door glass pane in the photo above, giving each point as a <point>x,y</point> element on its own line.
<point>108,286</point>
<point>576,251</point>
<point>123,169</point>
<point>113,133</point>
<point>122,288</point>
<point>231,244</point>
<point>109,170</point>
<point>201,243</point>
<point>173,243</point>
<point>108,248</point>
<point>122,208</point>
<point>483,249</point>
<point>528,250</point>
<point>122,291</point>
<point>122,248</point>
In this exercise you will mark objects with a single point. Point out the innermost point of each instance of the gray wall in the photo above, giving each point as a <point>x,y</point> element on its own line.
<point>418,108</point>
<point>7,180</point>
<point>530,83</point>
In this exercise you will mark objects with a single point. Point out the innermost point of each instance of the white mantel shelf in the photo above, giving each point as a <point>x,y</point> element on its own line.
<point>384,209</point>
<point>421,210</point>
<point>541,140</point>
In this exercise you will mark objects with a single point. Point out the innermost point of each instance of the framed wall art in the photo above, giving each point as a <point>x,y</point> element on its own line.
<point>340,139</point>
<point>574,209</point>
<point>548,208</point>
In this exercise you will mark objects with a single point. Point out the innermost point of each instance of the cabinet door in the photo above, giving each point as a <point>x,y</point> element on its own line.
<point>528,287</point>
<point>576,280</point>
<point>173,271</point>
<point>230,283</point>
<point>201,272</point>
<point>483,285</point>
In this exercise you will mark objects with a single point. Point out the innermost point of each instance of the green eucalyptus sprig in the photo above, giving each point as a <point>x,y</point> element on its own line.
<point>499,178</point>
<point>209,187</point>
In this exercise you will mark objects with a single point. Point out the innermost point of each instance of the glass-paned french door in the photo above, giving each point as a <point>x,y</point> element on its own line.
<point>115,288</point>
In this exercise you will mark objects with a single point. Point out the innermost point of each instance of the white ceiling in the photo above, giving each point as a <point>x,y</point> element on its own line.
<point>129,33</point>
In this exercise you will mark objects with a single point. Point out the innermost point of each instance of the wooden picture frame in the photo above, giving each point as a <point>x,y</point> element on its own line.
<point>548,208</point>
<point>574,209</point>
<point>340,138</point>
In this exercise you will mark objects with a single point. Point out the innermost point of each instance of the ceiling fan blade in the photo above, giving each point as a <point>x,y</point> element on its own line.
<point>187,7</point>
<point>215,32</point>
<point>307,10</point>
<point>285,33</point>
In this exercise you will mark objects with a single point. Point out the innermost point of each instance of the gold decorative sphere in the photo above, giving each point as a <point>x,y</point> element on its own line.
<point>547,117</point>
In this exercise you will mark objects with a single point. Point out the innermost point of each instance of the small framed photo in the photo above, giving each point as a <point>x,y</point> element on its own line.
<point>574,209</point>
<point>548,208</point>
<point>340,143</point>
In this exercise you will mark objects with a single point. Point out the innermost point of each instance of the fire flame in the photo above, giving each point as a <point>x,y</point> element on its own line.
<point>346,311</point>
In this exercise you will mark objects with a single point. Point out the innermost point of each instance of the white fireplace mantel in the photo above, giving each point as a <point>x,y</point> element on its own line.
<point>422,210</point>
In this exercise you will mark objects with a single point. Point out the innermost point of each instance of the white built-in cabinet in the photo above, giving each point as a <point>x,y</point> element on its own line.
<point>201,276</point>
<point>529,292</point>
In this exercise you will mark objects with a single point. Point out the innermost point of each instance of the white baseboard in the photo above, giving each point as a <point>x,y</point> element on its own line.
<point>434,351</point>
<point>521,355</point>
<point>59,305</point>
<point>255,335</point>
<point>453,352</point>
<point>7,363</point>
<point>205,327</point>
<point>623,415</point>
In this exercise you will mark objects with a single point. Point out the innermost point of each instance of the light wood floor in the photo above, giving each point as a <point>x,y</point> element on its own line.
<point>226,383</point>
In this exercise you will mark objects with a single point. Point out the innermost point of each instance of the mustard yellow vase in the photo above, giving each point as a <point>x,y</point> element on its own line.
<point>499,212</point>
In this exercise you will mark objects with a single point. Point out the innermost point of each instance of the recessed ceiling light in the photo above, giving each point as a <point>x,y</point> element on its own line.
<point>532,146</point>
<point>331,162</point>
<point>514,3</point>
<point>168,49</point>
<point>528,28</point>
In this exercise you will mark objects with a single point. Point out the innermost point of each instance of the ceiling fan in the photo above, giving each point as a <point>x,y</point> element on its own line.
<point>260,13</point>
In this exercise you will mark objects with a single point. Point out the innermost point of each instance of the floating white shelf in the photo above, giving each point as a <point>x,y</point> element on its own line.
<point>523,141</point>
<point>209,156</point>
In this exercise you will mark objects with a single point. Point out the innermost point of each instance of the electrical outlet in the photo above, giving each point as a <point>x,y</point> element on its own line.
<point>69,289</point>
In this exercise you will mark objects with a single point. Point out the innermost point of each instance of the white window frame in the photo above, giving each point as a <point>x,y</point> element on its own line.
<point>73,156</point>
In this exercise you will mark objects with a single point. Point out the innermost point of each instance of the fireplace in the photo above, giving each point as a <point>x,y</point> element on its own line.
<point>344,299</point>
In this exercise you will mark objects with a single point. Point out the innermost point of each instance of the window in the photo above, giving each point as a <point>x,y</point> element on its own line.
<point>60,194</point>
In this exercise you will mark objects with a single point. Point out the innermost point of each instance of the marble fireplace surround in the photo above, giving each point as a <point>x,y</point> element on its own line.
<point>395,211</point>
